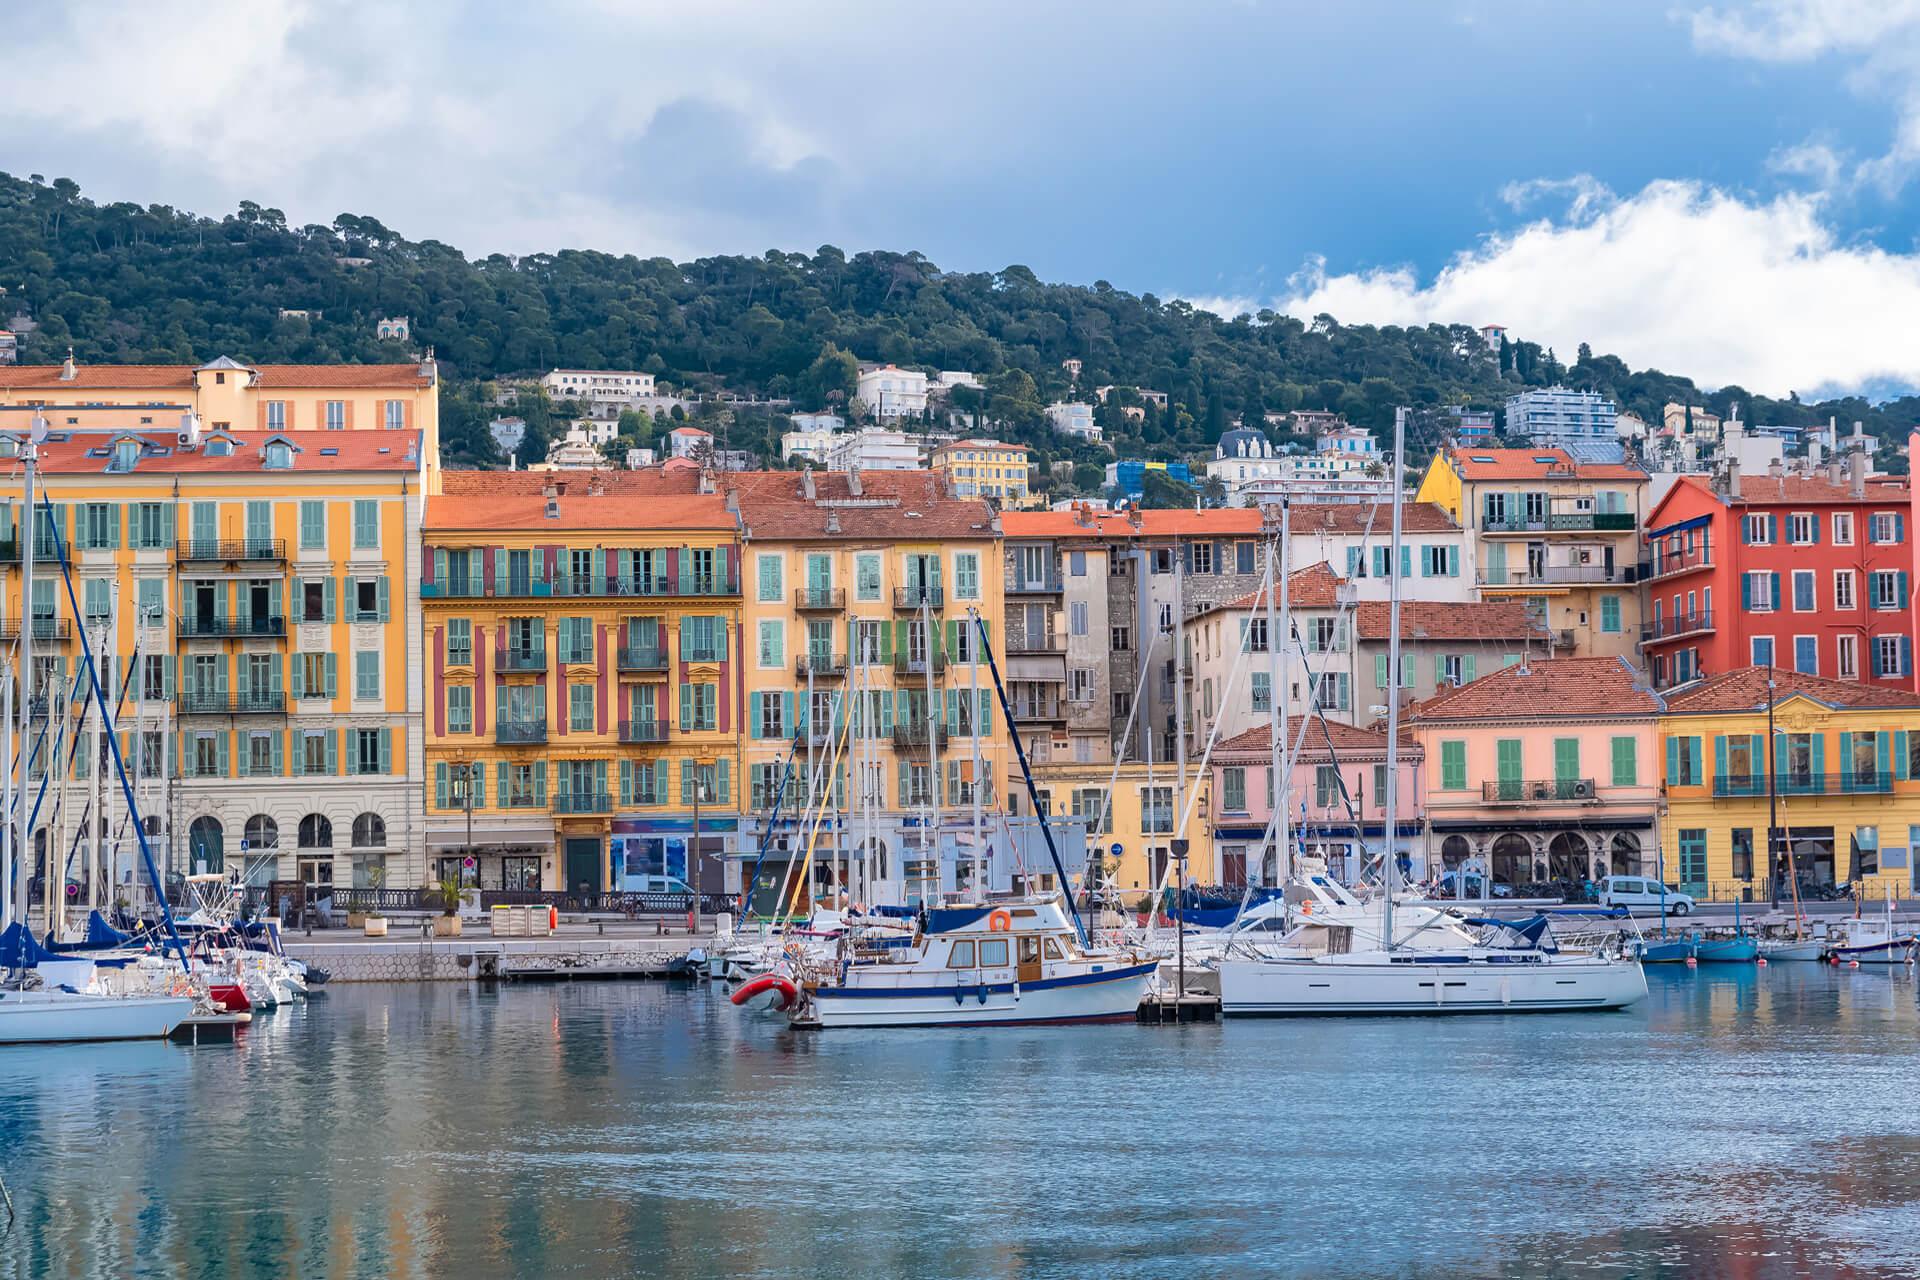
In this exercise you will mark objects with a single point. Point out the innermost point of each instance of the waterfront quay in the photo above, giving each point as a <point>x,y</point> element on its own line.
<point>580,950</point>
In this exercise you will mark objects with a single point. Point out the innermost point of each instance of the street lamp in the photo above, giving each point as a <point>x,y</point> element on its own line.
<point>463,792</point>
<point>693,855</point>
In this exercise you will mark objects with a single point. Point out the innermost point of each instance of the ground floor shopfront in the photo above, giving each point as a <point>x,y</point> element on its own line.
<point>1250,855</point>
<point>624,853</point>
<point>1521,851</point>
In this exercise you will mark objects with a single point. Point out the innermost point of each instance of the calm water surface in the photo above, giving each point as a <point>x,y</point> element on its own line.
<point>1741,1123</point>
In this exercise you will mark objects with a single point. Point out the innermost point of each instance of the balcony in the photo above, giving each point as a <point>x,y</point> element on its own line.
<point>831,666</point>
<point>520,732</point>
<point>819,599</point>
<point>1048,586</point>
<point>583,802</point>
<point>43,629</point>
<point>231,550</point>
<point>907,665</point>
<point>588,586</point>
<point>1671,562</point>
<point>643,732</point>
<point>1051,642</point>
<point>1539,791</point>
<point>708,652</point>
<point>909,598</point>
<point>523,659</point>
<point>1685,625</point>
<point>924,736</point>
<point>455,587</point>
<point>258,627</point>
<point>1553,575</point>
<point>645,660</point>
<point>1044,709</point>
<point>1856,782</point>
<point>1562,522</point>
<point>271,702</point>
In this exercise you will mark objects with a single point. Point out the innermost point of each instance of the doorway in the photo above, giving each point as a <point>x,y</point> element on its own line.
<point>583,865</point>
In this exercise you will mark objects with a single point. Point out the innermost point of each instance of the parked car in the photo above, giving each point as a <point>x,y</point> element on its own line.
<point>660,884</point>
<point>1637,893</point>
<point>1449,882</point>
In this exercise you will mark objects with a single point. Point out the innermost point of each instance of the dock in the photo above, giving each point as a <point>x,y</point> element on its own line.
<point>1158,1007</point>
<point>574,953</point>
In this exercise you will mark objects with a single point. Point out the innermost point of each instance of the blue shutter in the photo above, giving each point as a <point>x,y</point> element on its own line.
<point>1816,528</point>
<point>755,701</point>
<point>1900,600</point>
<point>1719,755</point>
<point>1746,592</point>
<point>1773,586</point>
<point>1899,526</point>
<point>1406,561</point>
<point>440,785</point>
<point>1906,656</point>
<point>1673,760</point>
<point>787,722</point>
<point>1773,527</point>
<point>1353,557</point>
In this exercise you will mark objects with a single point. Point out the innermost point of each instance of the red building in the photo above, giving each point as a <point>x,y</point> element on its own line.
<point>1808,571</point>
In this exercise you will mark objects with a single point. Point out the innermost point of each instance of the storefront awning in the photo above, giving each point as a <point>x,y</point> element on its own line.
<point>456,837</point>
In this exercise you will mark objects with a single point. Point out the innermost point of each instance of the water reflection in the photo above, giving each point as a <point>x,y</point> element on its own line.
<point>1745,1123</point>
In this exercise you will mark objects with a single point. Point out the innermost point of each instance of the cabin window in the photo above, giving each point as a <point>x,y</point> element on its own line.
<point>993,954</point>
<point>1029,950</point>
<point>961,957</point>
<point>1053,951</point>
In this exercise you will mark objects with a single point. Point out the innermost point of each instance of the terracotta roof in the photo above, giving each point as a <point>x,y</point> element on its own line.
<point>1545,687</point>
<point>1220,522</point>
<point>1767,491</point>
<point>1745,689</point>
<point>1353,517</point>
<point>1525,464</point>
<point>96,377</point>
<point>578,511</point>
<point>350,451</point>
<point>901,505</point>
<point>1309,588</point>
<point>1446,620</point>
<point>1257,743</point>
<point>468,484</point>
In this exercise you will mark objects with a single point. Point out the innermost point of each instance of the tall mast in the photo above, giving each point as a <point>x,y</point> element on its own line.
<point>1392,825</point>
<point>1279,637</point>
<point>973,718</point>
<point>1179,678</point>
<point>933,716</point>
<point>29,527</point>
<point>6,793</point>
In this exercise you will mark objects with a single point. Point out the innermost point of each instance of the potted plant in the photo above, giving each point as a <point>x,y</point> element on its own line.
<point>373,922</point>
<point>453,896</point>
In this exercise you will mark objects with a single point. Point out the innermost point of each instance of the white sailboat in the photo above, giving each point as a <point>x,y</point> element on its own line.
<point>54,1016</point>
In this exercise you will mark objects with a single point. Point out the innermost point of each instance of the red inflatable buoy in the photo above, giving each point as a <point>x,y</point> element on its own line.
<point>777,988</point>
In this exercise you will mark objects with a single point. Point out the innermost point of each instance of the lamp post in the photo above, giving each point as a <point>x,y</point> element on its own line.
<point>693,856</point>
<point>1179,845</point>
<point>463,780</point>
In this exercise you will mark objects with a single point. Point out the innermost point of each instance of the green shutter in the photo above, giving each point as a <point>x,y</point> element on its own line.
<point>386,751</point>
<point>539,784</point>
<point>333,682</point>
<point>440,785</point>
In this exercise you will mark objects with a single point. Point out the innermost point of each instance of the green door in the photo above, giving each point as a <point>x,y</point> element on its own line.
<point>819,580</point>
<point>1566,766</point>
<point>583,864</point>
<point>1508,763</point>
<point>259,528</point>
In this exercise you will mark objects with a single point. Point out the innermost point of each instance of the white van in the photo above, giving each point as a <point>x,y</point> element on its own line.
<point>1638,894</point>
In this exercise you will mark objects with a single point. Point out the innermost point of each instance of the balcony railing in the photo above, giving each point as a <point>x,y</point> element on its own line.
<point>1561,575</point>
<point>1050,642</point>
<point>919,737</point>
<point>708,652</point>
<point>1685,624</point>
<point>1666,562</point>
<point>826,665</point>
<point>520,732</point>
<point>1854,782</point>
<point>583,802</point>
<point>1039,709</point>
<point>193,549</point>
<point>819,598</point>
<point>643,731</point>
<point>631,659</point>
<point>259,626</point>
<point>1538,791</point>
<point>913,597</point>
<point>1048,586</point>
<point>577,585</point>
<point>523,659</point>
<point>43,629</point>
<point>193,703</point>
<point>907,665</point>
<point>1562,522</point>
<point>455,587</point>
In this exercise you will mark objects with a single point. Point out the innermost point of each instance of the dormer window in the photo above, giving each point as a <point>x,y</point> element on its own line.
<point>219,447</point>
<point>279,456</point>
<point>125,454</point>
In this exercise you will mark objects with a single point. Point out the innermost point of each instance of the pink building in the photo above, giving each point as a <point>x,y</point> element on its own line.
<point>1542,771</point>
<point>1338,798</point>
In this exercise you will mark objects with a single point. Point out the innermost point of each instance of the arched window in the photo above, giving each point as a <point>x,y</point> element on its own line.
<point>204,851</point>
<point>1512,860</point>
<point>1626,854</point>
<point>1454,850</point>
<point>263,833</point>
<point>316,832</point>
<point>1567,857</point>
<point>369,831</point>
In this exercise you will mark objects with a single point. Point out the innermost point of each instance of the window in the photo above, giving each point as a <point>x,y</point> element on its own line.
<point>1693,855</point>
<point>279,456</point>
<point>150,525</point>
<point>1806,655</point>
<point>1866,850</point>
<point>1803,591</point>
<point>867,642</point>
<point>1610,613</point>
<point>459,642</point>
<point>1843,589</point>
<point>313,525</point>
<point>1077,618</point>
<point>276,415</point>
<point>460,708</point>
<point>1887,655</point>
<point>1326,785</point>
<point>99,527</point>
<point>1683,762</point>
<point>312,605</point>
<point>1888,526</point>
<point>770,568</point>
<point>315,759</point>
<point>1847,661</point>
<point>966,576</point>
<point>1803,527</point>
<point>1121,639</point>
<point>126,455</point>
<point>773,720</point>
<point>366,674</point>
<point>1626,763</point>
<point>1156,810</point>
<point>1762,651</point>
<point>366,599</point>
<point>1080,684</point>
<point>1754,530</point>
<point>866,571</point>
<point>1743,853</point>
<point>1202,556</point>
<point>1261,684</point>
<point>580,707</point>
<point>370,831</point>
<point>1077,564</point>
<point>1453,766</point>
<point>366,524</point>
<point>1233,790</point>
<point>336,415</point>
<point>1843,528</point>
<point>773,644</point>
<point>1253,633</point>
<point>1884,589</point>
<point>316,832</point>
<point>698,703</point>
<point>367,751</point>
<point>1438,562</point>
<point>396,414</point>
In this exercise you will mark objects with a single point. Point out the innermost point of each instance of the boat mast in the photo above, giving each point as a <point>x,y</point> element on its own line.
<point>1387,866</point>
<point>29,527</point>
<point>932,637</point>
<point>1279,636</point>
<point>1773,801</point>
<point>6,793</point>
<point>973,718</point>
<point>1180,551</point>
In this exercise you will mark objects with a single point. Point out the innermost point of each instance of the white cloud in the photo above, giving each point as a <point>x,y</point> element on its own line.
<point>1682,276</point>
<point>1797,30</point>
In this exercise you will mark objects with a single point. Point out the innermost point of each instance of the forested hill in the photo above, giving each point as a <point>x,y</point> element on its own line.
<point>122,283</point>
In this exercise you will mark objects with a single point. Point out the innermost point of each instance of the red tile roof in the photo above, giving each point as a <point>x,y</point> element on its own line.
<point>1525,464</point>
<point>1309,588</point>
<point>1221,522</point>
<point>1544,688</point>
<point>1770,491</point>
<point>1354,517</point>
<point>579,511</point>
<point>1745,689</point>
<point>1257,743</point>
<point>351,451</point>
<point>147,377</point>
<point>1447,620</point>
<point>898,505</point>
<point>471,484</point>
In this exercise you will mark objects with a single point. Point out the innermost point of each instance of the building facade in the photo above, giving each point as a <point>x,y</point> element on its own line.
<point>1073,418</point>
<point>890,392</point>
<point>873,449</point>
<point>984,469</point>
<point>617,388</point>
<point>1559,418</point>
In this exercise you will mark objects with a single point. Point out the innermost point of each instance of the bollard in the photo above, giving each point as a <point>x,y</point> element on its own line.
<point>659,926</point>
<point>692,928</point>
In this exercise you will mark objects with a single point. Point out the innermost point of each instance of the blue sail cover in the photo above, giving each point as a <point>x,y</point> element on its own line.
<point>18,950</point>
<point>102,934</point>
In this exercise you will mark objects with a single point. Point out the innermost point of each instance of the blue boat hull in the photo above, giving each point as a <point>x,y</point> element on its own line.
<point>1727,951</point>
<point>1667,951</point>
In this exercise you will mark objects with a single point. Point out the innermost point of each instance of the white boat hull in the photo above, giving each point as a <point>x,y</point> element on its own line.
<point>1894,952</point>
<point>45,1017</point>
<point>1303,987</point>
<point>1109,996</point>
<point>1811,951</point>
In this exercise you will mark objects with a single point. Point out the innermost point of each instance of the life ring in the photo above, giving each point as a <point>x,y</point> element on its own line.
<point>773,991</point>
<point>999,921</point>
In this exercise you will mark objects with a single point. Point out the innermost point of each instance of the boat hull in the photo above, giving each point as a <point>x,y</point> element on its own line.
<point>1809,951</point>
<point>1108,996</point>
<point>43,1017</point>
<point>1892,952</point>
<point>1294,988</point>
<point>1727,951</point>
<point>1669,951</point>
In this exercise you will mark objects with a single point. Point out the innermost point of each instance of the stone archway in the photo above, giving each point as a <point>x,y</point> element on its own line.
<point>1453,851</point>
<point>1512,860</point>
<point>1567,857</point>
<point>1626,854</point>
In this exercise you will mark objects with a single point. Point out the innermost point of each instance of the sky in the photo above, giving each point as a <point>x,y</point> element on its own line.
<point>1723,190</point>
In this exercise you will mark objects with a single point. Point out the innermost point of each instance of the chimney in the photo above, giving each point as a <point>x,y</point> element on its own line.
<point>1857,462</point>
<point>733,501</point>
<point>806,484</point>
<point>1836,468</point>
<point>833,521</point>
<point>68,372</point>
<point>853,481</point>
<point>1776,469</point>
<point>1733,477</point>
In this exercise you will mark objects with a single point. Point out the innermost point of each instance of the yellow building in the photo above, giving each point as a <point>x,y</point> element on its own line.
<point>1847,790</point>
<point>861,590</point>
<point>255,585</point>
<point>1559,534</point>
<point>583,647</point>
<point>984,469</point>
<point>1143,819</point>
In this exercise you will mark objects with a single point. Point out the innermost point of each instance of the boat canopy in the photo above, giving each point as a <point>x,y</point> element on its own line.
<point>19,950</point>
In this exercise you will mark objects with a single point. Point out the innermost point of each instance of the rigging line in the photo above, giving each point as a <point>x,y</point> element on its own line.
<point>766,838</point>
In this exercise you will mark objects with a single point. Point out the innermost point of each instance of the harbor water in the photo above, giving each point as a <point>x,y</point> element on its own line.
<point>1741,1122</point>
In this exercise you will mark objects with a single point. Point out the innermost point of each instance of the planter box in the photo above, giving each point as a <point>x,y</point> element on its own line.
<point>355,919</point>
<point>446,926</point>
<point>376,926</point>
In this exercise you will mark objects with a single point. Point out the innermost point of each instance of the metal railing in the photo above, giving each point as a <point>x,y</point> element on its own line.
<point>523,659</point>
<point>919,737</point>
<point>914,597</point>
<point>644,731</point>
<point>268,626</point>
<point>194,703</point>
<point>609,903</point>
<point>1685,624</point>
<point>583,802</point>
<point>1558,574</point>
<point>231,549</point>
<point>702,653</point>
<point>820,664</point>
<point>1538,790</point>
<point>1851,782</point>
<point>1040,709</point>
<point>1048,586</point>
<point>1701,557</point>
<point>566,583</point>
<point>811,598</point>
<point>43,629</point>
<point>907,665</point>
<point>520,731</point>
<point>1567,522</point>
<point>630,659</point>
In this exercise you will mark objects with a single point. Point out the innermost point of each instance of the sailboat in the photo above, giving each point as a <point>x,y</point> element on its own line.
<point>1872,941</point>
<point>1507,967</point>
